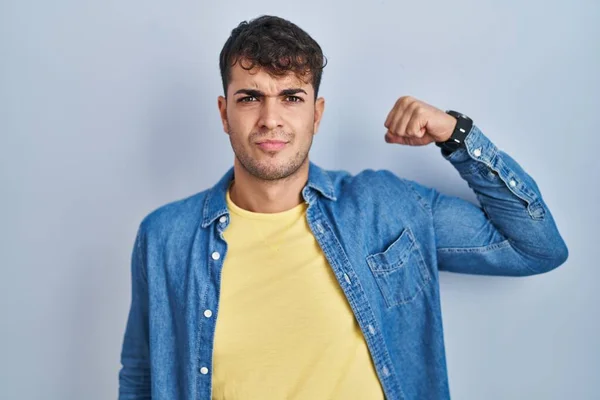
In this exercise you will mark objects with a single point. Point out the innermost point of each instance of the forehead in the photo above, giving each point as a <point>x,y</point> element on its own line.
<point>258,78</point>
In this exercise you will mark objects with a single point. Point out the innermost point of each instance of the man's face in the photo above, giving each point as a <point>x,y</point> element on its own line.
<point>270,121</point>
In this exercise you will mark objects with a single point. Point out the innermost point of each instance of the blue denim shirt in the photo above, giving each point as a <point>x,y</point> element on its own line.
<point>386,239</point>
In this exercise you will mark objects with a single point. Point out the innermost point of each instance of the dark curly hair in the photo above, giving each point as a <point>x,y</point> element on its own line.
<point>275,45</point>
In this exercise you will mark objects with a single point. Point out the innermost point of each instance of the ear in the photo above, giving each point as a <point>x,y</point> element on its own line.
<point>222,103</point>
<point>319,109</point>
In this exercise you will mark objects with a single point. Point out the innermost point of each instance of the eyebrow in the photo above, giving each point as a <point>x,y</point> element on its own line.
<point>258,93</point>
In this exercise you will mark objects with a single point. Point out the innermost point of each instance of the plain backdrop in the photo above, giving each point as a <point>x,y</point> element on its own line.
<point>108,109</point>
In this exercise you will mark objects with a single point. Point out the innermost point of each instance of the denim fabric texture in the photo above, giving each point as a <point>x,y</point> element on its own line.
<point>385,238</point>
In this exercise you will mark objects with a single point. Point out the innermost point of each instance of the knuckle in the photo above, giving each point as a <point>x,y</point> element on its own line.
<point>416,108</point>
<point>405,100</point>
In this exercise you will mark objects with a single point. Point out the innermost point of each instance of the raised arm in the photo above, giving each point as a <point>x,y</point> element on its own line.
<point>511,231</point>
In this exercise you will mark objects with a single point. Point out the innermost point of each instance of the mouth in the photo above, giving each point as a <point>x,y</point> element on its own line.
<point>271,145</point>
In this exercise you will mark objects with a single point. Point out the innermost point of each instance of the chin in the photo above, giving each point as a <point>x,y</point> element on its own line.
<point>271,170</point>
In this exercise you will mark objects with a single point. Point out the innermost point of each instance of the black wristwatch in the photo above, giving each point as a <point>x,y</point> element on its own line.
<point>462,129</point>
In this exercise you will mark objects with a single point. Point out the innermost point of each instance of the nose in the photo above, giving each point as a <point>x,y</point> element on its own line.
<point>270,117</point>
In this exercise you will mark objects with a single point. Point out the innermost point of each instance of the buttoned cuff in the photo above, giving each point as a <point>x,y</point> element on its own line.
<point>477,147</point>
<point>481,162</point>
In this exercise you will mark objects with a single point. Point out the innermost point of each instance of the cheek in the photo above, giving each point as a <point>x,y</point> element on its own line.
<point>304,122</point>
<point>241,123</point>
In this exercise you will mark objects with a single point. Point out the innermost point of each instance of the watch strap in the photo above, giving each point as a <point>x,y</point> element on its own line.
<point>460,133</point>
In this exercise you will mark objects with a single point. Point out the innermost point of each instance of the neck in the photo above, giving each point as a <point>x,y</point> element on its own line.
<point>256,195</point>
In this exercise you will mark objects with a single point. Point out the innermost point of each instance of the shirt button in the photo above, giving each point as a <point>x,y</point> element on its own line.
<point>223,219</point>
<point>477,152</point>
<point>208,313</point>
<point>216,256</point>
<point>204,370</point>
<point>320,227</point>
<point>512,183</point>
<point>347,278</point>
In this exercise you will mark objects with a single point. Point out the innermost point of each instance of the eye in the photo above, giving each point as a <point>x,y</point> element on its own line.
<point>247,99</point>
<point>294,99</point>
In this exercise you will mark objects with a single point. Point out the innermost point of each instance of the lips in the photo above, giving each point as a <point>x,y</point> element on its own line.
<point>271,145</point>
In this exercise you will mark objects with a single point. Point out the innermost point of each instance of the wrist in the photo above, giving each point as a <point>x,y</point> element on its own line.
<point>452,121</point>
<point>456,139</point>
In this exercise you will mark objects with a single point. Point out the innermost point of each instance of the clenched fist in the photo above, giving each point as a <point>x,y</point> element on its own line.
<point>417,123</point>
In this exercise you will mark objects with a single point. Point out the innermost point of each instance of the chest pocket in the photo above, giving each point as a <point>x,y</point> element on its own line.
<point>400,270</point>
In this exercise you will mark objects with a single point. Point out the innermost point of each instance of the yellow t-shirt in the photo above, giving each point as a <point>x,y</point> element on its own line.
<point>285,329</point>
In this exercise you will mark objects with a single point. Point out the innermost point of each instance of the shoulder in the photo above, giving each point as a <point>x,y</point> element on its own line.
<point>373,182</point>
<point>179,215</point>
<point>381,185</point>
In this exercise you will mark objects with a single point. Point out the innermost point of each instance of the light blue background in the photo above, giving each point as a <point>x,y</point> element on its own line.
<point>108,109</point>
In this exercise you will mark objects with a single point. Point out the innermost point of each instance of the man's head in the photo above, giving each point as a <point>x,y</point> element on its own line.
<point>271,71</point>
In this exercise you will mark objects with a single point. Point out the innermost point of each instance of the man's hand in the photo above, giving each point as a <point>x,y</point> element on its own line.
<point>416,123</point>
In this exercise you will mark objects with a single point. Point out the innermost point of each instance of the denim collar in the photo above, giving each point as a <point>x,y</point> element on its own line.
<point>215,204</point>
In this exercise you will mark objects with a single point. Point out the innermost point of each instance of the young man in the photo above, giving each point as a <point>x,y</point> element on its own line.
<point>287,281</point>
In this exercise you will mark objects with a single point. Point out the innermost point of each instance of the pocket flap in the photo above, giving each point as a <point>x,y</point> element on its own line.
<point>395,255</point>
